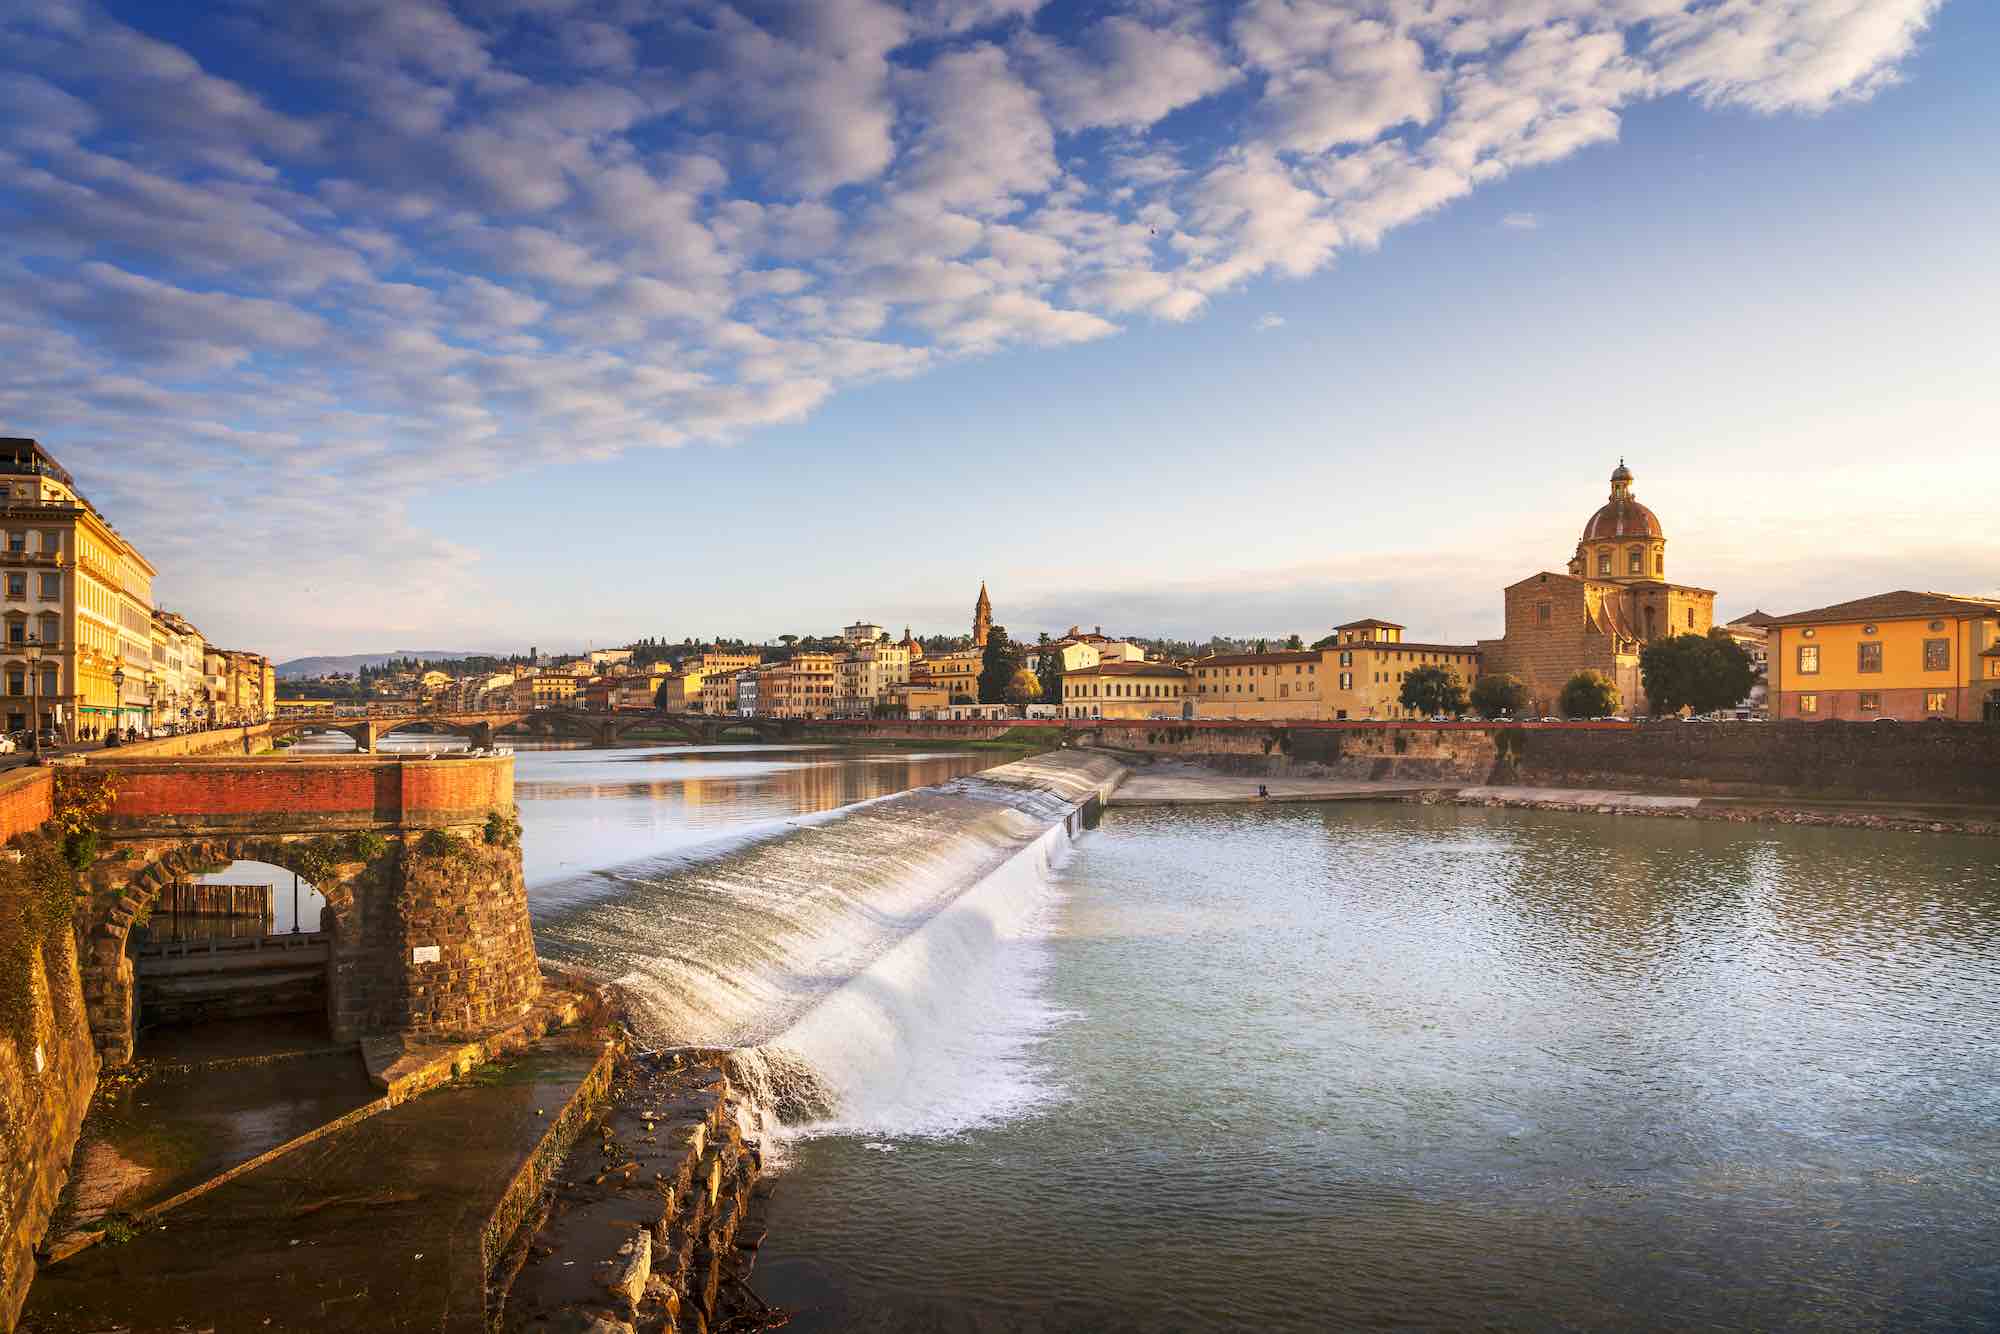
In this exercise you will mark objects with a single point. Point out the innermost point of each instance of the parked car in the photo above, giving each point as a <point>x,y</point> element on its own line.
<point>7,745</point>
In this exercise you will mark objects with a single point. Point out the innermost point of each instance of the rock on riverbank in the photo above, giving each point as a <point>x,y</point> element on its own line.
<point>655,1216</point>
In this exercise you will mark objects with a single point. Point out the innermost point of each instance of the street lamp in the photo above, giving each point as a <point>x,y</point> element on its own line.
<point>34,651</point>
<point>152,704</point>
<point>118,697</point>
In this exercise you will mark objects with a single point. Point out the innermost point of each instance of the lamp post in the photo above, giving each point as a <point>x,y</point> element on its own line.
<point>34,652</point>
<point>117,697</point>
<point>152,704</point>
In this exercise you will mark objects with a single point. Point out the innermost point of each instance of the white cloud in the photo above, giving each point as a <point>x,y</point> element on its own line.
<point>412,243</point>
<point>1520,222</point>
<point>1267,322</point>
<point>1124,73</point>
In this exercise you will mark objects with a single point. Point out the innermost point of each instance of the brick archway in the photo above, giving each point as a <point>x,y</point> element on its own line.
<point>128,882</point>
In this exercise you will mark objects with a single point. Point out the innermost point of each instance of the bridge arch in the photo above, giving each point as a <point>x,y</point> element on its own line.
<point>125,898</point>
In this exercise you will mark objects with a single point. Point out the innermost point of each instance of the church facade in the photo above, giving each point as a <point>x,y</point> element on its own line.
<point>1614,599</point>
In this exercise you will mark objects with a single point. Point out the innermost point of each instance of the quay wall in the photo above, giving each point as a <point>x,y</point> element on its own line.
<point>271,793</point>
<point>48,1065</point>
<point>1955,763</point>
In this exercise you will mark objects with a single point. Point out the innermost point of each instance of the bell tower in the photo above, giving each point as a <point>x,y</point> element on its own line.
<point>982,617</point>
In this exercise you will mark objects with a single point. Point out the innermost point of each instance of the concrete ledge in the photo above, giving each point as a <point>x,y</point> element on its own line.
<point>402,1067</point>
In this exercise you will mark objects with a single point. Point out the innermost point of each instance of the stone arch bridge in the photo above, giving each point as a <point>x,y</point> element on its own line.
<point>425,928</point>
<point>600,729</point>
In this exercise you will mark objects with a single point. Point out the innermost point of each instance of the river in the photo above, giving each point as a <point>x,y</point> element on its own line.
<point>1310,1067</point>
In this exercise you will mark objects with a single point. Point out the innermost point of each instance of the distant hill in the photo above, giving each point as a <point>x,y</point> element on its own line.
<point>354,662</point>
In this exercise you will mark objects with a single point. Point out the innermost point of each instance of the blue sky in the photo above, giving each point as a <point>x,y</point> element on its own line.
<point>552,321</point>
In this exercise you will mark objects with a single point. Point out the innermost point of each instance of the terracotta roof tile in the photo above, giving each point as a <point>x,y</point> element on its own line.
<point>1901,604</point>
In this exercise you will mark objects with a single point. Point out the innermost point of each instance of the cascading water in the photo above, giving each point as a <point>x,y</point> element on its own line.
<point>875,971</point>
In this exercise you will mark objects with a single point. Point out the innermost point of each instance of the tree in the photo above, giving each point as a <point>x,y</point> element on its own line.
<point>1294,643</point>
<point>1499,693</point>
<point>660,696</point>
<point>1025,688</point>
<point>1589,695</point>
<point>997,667</point>
<point>1327,642</point>
<point>1698,672</point>
<point>1428,690</point>
<point>1051,665</point>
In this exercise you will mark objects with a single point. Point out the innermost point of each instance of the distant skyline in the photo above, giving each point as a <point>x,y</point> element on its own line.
<point>568,321</point>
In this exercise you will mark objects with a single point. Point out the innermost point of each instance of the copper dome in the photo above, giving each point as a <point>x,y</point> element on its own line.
<point>1622,518</point>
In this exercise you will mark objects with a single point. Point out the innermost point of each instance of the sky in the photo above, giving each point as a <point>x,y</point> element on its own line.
<point>402,323</point>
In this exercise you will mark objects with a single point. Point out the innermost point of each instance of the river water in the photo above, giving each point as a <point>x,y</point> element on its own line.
<point>1307,1067</point>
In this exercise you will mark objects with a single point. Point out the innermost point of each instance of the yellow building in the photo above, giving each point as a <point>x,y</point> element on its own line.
<point>684,690</point>
<point>1903,655</point>
<point>78,604</point>
<point>548,690</point>
<point>1285,684</point>
<point>723,662</point>
<point>1357,677</point>
<point>1125,690</point>
<point>1366,665</point>
<point>957,674</point>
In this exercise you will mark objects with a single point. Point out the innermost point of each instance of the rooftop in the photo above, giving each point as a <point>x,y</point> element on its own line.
<point>1132,669</point>
<point>1899,605</point>
<point>1370,624</point>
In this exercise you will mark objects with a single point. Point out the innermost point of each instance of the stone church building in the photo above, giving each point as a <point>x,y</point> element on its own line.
<point>1612,602</point>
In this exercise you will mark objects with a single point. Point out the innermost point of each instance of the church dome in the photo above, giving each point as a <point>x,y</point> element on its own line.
<point>1621,516</point>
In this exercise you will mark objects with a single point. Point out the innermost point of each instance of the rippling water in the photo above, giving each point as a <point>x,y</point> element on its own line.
<point>1381,1066</point>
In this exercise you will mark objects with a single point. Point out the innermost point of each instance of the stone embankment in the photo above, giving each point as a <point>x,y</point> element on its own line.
<point>655,1217</point>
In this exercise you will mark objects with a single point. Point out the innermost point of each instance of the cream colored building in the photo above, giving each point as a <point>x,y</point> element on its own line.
<point>179,657</point>
<point>802,687</point>
<point>684,690</point>
<point>864,676</point>
<point>1125,690</point>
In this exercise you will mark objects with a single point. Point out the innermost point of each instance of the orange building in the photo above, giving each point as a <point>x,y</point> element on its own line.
<point>1903,655</point>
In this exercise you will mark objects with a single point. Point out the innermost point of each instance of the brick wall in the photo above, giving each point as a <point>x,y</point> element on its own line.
<point>285,795</point>
<point>25,796</point>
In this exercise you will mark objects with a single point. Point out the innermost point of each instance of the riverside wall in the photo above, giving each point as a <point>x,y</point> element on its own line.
<point>1954,763</point>
<point>48,1065</point>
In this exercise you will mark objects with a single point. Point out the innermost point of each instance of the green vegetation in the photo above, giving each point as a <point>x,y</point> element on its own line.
<point>1500,693</point>
<point>38,890</point>
<point>1051,670</point>
<point>1431,690</point>
<point>503,829</point>
<point>1698,672</point>
<point>80,801</point>
<point>1589,695</point>
<point>999,666</point>
<point>1024,688</point>
<point>443,845</point>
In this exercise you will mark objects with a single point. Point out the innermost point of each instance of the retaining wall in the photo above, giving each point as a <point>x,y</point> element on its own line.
<point>282,794</point>
<point>1834,761</point>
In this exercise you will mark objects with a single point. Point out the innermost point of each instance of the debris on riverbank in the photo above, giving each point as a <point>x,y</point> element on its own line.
<point>655,1215</point>
<point>1733,810</point>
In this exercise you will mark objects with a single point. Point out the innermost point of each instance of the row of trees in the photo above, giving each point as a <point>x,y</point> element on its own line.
<point>1702,673</point>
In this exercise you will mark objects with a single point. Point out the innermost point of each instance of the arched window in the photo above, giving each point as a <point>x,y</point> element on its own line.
<point>1635,561</point>
<point>1604,561</point>
<point>1659,561</point>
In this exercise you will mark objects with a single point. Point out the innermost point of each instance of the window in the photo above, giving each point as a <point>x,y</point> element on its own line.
<point>1868,657</point>
<point>1808,703</point>
<point>1542,610</point>
<point>1347,680</point>
<point>1808,659</point>
<point>49,682</point>
<point>1604,562</point>
<point>17,541</point>
<point>1871,701</point>
<point>1937,655</point>
<point>51,588</point>
<point>1659,562</point>
<point>17,683</point>
<point>1690,618</point>
<point>1936,701</point>
<point>1635,562</point>
<point>17,585</point>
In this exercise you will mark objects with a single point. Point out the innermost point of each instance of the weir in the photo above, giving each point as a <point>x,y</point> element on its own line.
<point>846,961</point>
